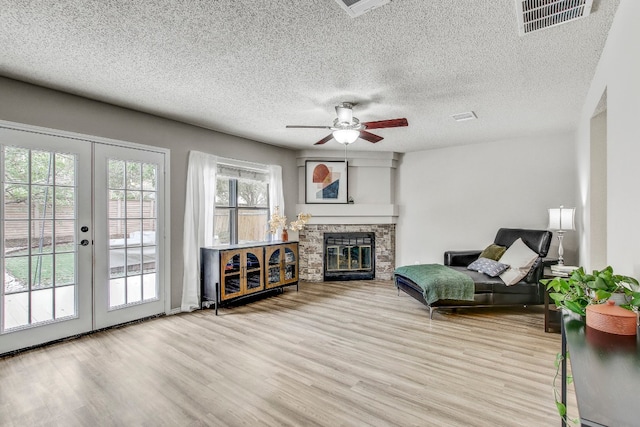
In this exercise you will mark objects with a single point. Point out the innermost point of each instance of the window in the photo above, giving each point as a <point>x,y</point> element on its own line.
<point>242,204</point>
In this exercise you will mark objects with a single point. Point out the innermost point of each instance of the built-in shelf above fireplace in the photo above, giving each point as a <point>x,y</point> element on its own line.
<point>350,213</point>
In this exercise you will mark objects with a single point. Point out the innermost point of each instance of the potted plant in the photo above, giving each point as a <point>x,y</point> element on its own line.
<point>579,290</point>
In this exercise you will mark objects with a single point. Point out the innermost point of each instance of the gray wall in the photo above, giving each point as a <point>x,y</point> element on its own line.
<point>458,197</point>
<point>33,105</point>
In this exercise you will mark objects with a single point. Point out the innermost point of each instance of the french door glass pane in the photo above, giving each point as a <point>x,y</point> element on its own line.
<point>149,289</point>
<point>132,232</point>
<point>39,223</point>
<point>64,175</point>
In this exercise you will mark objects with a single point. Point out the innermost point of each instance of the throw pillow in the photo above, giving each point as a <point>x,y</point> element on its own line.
<point>493,252</point>
<point>520,257</point>
<point>488,266</point>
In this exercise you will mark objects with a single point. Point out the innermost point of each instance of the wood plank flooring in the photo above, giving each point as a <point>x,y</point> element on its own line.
<point>333,354</point>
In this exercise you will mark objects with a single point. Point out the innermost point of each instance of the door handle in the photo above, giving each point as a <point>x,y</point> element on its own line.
<point>84,242</point>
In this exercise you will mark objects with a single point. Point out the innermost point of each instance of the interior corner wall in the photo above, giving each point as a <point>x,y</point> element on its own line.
<point>457,198</point>
<point>34,105</point>
<point>596,222</point>
<point>617,73</point>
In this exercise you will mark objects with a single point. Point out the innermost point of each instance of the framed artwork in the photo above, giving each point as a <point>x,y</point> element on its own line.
<point>326,181</point>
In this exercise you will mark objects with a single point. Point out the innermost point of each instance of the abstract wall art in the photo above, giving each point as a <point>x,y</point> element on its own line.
<point>326,182</point>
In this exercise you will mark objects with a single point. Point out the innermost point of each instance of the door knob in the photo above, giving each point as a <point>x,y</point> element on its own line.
<point>84,242</point>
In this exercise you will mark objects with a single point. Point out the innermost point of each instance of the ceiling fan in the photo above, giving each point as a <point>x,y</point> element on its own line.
<point>346,128</point>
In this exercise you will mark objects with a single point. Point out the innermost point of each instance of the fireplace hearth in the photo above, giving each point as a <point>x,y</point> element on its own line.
<point>349,256</point>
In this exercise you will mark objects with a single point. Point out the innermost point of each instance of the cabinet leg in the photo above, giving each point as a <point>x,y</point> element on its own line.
<point>217,296</point>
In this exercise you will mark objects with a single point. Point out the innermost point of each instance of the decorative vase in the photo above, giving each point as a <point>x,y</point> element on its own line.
<point>618,298</point>
<point>612,319</point>
<point>285,235</point>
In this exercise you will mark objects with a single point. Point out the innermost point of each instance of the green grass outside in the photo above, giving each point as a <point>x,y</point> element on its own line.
<point>17,265</point>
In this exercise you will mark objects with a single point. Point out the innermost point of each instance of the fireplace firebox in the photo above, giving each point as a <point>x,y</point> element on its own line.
<point>349,256</point>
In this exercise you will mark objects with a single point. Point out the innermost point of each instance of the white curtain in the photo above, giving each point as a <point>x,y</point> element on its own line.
<point>276,194</point>
<point>198,222</point>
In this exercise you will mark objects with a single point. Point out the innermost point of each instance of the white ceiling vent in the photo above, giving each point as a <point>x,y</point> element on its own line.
<point>461,117</point>
<point>535,15</point>
<point>358,7</point>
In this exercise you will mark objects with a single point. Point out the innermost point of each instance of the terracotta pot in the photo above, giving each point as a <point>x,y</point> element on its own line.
<point>612,319</point>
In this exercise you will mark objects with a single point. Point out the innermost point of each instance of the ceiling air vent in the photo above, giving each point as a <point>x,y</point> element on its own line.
<point>461,117</point>
<point>534,15</point>
<point>358,7</point>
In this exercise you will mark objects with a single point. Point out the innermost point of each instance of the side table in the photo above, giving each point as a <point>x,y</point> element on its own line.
<point>552,315</point>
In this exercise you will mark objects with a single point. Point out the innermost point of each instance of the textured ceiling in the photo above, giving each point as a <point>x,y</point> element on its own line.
<point>250,67</point>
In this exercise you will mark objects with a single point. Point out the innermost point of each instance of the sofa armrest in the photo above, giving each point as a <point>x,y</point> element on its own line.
<point>537,271</point>
<point>460,258</point>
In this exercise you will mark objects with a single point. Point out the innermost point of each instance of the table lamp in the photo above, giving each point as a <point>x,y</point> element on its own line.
<point>561,220</point>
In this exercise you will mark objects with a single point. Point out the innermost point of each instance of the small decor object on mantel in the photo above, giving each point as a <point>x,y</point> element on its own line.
<point>278,221</point>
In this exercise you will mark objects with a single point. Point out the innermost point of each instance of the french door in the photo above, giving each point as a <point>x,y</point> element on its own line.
<point>46,280</point>
<point>129,196</point>
<point>80,235</point>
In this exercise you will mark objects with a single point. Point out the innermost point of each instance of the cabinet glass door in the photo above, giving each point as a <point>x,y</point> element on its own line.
<point>290,271</point>
<point>273,277</point>
<point>231,276</point>
<point>253,272</point>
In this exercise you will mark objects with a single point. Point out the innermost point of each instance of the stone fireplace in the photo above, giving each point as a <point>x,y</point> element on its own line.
<point>312,249</point>
<point>370,209</point>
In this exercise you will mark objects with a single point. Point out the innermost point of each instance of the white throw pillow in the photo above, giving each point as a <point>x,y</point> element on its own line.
<point>520,257</point>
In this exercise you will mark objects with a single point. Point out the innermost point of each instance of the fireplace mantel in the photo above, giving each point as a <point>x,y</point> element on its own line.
<point>350,213</point>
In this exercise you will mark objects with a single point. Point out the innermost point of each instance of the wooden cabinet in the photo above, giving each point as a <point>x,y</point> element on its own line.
<point>241,272</point>
<point>232,272</point>
<point>282,264</point>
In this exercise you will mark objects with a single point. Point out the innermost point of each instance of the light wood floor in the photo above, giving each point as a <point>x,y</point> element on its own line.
<point>332,354</point>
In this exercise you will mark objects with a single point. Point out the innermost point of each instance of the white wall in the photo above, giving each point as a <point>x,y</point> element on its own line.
<point>618,73</point>
<point>458,197</point>
<point>33,105</point>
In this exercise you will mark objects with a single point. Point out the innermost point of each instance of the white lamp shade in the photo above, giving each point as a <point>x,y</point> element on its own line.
<point>346,136</point>
<point>562,218</point>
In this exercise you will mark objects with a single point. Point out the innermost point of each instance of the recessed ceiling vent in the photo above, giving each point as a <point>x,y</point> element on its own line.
<point>461,117</point>
<point>534,15</point>
<point>358,7</point>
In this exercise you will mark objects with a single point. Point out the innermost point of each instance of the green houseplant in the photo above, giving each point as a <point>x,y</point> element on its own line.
<point>579,290</point>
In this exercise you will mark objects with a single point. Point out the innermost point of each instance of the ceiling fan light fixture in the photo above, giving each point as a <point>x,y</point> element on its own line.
<point>346,136</point>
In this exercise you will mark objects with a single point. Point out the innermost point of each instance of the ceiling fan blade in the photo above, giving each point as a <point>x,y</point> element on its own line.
<point>370,136</point>
<point>307,127</point>
<point>325,139</point>
<point>393,123</point>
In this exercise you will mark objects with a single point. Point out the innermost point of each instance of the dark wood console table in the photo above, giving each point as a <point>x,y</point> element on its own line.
<point>606,373</point>
<point>232,273</point>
